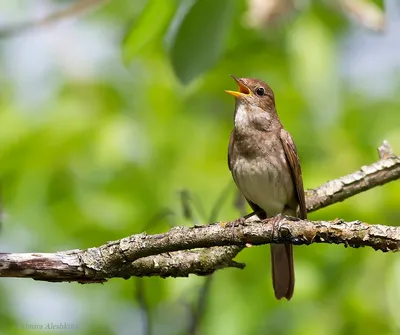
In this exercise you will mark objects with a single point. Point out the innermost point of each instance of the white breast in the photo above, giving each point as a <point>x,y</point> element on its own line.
<point>261,180</point>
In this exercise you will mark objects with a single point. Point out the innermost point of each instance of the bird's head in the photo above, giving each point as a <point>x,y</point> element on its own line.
<point>255,102</point>
<point>253,92</point>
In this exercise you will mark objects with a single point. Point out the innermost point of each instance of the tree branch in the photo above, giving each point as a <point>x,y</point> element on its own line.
<point>169,254</point>
<point>75,9</point>
<point>369,176</point>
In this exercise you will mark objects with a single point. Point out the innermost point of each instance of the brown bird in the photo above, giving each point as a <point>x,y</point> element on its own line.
<point>266,168</point>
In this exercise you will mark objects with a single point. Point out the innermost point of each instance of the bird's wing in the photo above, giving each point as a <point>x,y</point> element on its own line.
<point>294,163</point>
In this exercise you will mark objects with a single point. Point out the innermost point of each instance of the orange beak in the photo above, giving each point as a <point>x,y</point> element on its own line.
<point>243,89</point>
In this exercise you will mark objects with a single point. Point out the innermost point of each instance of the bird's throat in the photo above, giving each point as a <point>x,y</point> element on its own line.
<point>242,116</point>
<point>248,116</point>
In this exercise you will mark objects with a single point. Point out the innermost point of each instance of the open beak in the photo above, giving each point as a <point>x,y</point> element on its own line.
<point>242,89</point>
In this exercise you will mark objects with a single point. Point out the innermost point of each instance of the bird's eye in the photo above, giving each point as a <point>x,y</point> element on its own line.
<point>260,91</point>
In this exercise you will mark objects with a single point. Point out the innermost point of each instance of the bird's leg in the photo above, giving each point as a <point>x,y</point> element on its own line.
<point>292,218</point>
<point>261,215</point>
<point>275,220</point>
<point>232,224</point>
<point>242,220</point>
<point>238,222</point>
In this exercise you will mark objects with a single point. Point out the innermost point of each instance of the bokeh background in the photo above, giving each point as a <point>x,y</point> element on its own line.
<point>113,119</point>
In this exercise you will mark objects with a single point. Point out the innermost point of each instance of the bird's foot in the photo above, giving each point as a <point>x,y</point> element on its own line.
<point>240,221</point>
<point>275,219</point>
<point>237,222</point>
<point>223,224</point>
<point>276,223</point>
<point>291,218</point>
<point>232,224</point>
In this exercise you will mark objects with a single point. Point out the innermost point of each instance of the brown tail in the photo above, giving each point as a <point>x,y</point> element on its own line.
<point>282,270</point>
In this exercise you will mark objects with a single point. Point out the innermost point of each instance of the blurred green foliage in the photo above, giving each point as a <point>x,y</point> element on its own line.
<point>107,154</point>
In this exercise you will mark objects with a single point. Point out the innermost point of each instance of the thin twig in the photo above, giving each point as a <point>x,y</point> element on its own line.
<point>139,282</point>
<point>75,9</point>
<point>1,207</point>
<point>198,310</point>
<point>144,307</point>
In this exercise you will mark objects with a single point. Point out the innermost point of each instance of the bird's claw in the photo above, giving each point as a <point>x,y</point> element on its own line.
<point>232,224</point>
<point>238,222</point>
<point>275,221</point>
<point>292,218</point>
<point>223,224</point>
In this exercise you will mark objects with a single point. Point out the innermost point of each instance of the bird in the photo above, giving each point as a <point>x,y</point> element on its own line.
<point>265,166</point>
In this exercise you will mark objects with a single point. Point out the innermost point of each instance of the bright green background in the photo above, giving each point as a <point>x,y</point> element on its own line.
<point>105,154</point>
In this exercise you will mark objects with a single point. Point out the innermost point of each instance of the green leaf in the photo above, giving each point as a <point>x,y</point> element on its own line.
<point>151,24</point>
<point>196,40</point>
